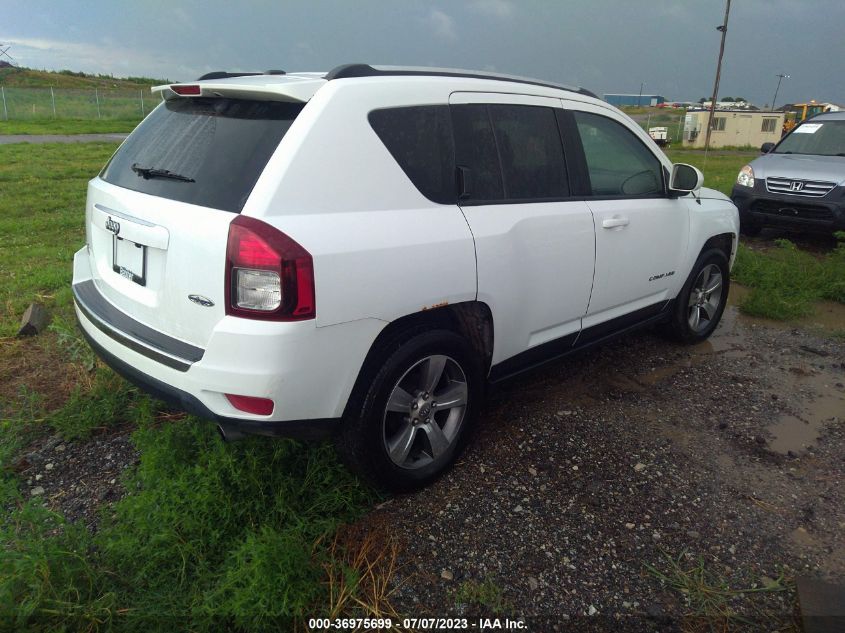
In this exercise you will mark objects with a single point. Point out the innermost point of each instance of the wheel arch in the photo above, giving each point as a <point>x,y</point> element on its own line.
<point>472,320</point>
<point>725,242</point>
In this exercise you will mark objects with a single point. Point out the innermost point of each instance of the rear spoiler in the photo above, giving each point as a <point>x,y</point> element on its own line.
<point>258,87</point>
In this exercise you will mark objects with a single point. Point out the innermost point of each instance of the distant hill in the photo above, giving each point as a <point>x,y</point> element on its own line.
<point>15,77</point>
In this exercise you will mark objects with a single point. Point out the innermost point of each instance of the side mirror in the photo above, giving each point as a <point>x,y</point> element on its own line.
<point>685,178</point>
<point>766,148</point>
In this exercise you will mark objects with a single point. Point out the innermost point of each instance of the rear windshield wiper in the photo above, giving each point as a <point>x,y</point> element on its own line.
<point>152,172</point>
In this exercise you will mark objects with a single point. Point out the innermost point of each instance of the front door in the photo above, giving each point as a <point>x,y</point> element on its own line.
<point>641,232</point>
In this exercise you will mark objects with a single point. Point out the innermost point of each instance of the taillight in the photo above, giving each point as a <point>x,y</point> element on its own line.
<point>268,275</point>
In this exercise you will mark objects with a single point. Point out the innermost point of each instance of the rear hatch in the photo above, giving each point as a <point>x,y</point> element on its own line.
<point>158,216</point>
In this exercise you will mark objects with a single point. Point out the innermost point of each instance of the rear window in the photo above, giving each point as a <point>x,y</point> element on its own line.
<point>208,152</point>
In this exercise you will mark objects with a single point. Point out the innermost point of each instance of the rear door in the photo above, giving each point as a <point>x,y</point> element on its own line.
<point>641,232</point>
<point>158,216</point>
<point>534,242</point>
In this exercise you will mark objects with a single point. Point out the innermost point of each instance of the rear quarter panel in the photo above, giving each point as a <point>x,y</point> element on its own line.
<point>381,249</point>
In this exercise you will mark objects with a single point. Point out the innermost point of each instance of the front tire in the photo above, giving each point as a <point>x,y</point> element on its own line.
<point>416,413</point>
<point>701,302</point>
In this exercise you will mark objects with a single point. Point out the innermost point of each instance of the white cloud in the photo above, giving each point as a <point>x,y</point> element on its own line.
<point>442,24</point>
<point>501,9</point>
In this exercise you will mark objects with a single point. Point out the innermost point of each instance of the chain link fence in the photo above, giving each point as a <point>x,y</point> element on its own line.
<point>95,103</point>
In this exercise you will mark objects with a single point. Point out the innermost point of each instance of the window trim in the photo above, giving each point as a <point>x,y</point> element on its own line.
<point>581,156</point>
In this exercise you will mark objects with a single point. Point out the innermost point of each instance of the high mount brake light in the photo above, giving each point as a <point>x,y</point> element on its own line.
<point>192,90</point>
<point>268,275</point>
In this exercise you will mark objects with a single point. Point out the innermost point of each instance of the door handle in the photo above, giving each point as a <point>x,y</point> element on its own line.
<point>614,222</point>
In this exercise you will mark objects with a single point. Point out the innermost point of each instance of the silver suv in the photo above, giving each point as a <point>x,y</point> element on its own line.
<point>800,182</point>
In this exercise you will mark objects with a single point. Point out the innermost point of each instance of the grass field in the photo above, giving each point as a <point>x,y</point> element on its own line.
<point>18,77</point>
<point>213,536</point>
<point>719,167</point>
<point>210,536</point>
<point>65,102</point>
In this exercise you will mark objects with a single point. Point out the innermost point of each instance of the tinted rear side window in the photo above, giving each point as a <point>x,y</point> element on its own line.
<point>420,139</point>
<point>222,145</point>
<point>475,152</point>
<point>531,152</point>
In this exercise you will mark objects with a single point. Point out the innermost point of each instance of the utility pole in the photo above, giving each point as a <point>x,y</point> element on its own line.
<point>640,96</point>
<point>780,77</point>
<point>724,29</point>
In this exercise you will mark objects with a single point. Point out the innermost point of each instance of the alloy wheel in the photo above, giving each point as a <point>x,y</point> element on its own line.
<point>425,411</point>
<point>705,298</point>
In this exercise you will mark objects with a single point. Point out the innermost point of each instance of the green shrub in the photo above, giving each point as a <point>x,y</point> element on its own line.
<point>785,281</point>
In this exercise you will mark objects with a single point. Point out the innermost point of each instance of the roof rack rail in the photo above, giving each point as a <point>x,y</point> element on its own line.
<point>222,74</point>
<point>347,71</point>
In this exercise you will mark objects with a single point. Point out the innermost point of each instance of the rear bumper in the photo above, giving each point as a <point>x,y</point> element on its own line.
<point>307,371</point>
<point>299,429</point>
<point>763,208</point>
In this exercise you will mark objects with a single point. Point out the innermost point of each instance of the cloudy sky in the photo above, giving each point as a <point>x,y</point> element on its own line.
<point>603,45</point>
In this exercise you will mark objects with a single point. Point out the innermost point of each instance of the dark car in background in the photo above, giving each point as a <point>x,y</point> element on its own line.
<point>798,183</point>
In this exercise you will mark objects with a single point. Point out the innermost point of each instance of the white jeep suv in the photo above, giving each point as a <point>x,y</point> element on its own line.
<point>362,252</point>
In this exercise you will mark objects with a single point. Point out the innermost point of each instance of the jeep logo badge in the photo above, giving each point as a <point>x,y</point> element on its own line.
<point>112,226</point>
<point>205,302</point>
<point>796,185</point>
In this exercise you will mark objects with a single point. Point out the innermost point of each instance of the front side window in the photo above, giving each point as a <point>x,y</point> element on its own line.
<point>420,140</point>
<point>618,163</point>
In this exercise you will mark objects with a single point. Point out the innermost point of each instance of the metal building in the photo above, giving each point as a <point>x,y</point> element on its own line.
<point>634,100</point>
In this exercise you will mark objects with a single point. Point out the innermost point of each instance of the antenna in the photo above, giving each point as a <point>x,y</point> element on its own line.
<point>4,52</point>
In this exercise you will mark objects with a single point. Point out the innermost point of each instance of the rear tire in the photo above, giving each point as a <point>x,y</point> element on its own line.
<point>415,412</point>
<point>701,302</point>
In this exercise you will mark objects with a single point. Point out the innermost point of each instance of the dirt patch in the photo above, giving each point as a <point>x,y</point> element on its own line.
<point>585,472</point>
<point>815,243</point>
<point>38,365</point>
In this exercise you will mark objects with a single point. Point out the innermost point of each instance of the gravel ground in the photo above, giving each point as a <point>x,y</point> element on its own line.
<point>583,473</point>
<point>78,479</point>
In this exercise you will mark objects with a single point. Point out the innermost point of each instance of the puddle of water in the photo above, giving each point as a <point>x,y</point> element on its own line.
<point>826,402</point>
<point>796,434</point>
